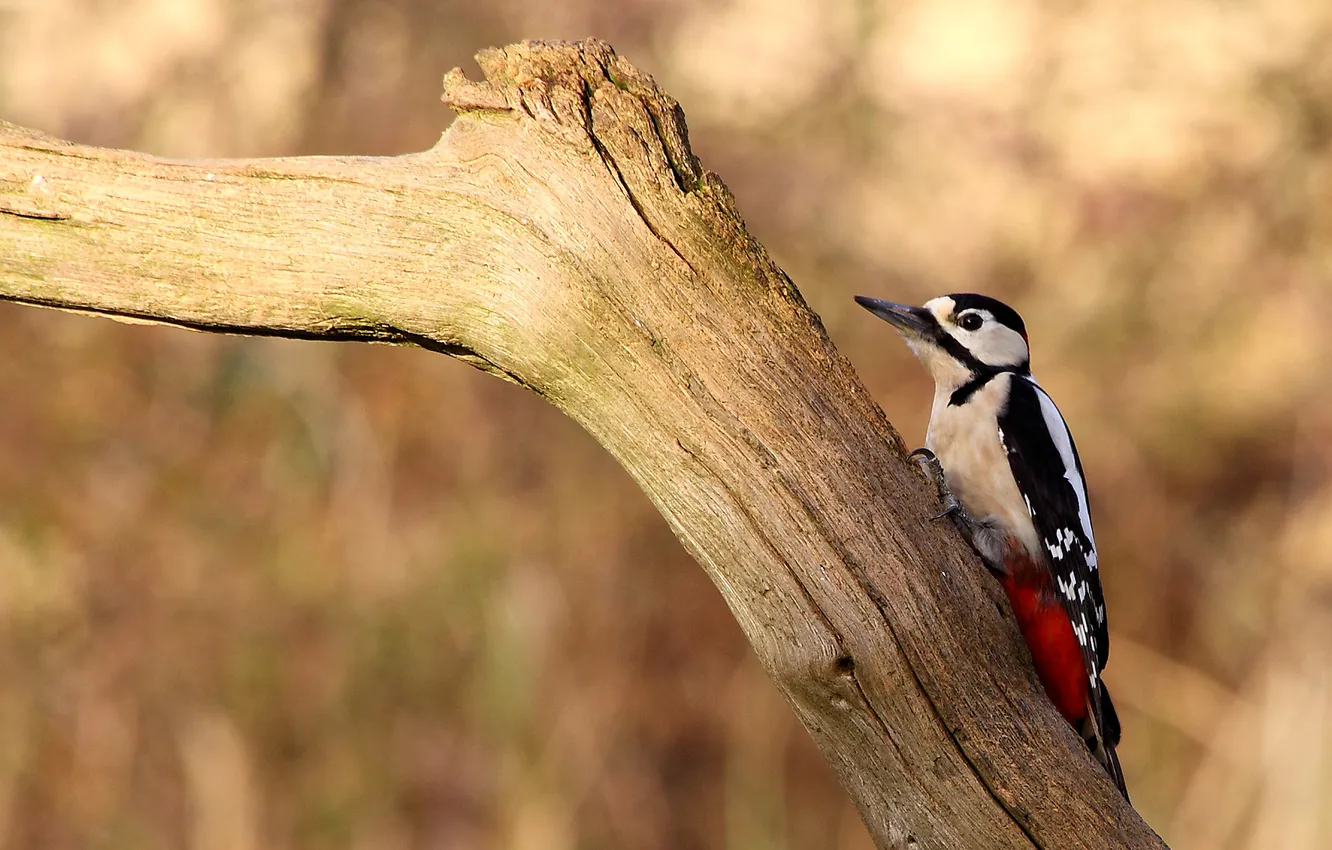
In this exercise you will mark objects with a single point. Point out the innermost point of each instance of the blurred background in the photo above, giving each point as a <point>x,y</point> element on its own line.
<point>260,594</point>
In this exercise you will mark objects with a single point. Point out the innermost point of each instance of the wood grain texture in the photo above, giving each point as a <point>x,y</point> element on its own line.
<point>563,236</point>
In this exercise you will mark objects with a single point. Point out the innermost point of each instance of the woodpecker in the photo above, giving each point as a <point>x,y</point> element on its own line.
<point>1008,471</point>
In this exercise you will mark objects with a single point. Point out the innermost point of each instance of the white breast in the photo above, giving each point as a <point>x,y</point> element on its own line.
<point>966,440</point>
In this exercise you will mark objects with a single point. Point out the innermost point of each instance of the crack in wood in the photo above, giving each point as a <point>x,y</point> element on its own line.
<point>35,215</point>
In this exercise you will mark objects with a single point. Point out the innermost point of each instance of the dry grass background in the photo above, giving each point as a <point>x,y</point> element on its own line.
<point>257,594</point>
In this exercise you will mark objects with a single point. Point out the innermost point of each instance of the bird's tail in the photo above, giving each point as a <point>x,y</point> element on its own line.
<point>1102,738</point>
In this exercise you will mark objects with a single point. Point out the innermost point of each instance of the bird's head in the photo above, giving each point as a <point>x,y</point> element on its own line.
<point>960,336</point>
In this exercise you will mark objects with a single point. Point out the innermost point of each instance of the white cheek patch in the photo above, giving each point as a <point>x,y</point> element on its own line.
<point>994,343</point>
<point>1004,346</point>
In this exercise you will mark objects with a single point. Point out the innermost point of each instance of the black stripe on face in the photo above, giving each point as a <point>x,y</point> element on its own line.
<point>970,388</point>
<point>955,349</point>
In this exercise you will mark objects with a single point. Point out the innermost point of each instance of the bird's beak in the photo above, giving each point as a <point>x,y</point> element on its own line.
<point>912,321</point>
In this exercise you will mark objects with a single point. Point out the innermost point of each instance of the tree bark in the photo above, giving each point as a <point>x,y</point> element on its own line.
<point>562,235</point>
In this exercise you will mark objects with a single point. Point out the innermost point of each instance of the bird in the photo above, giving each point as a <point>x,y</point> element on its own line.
<point>1009,475</point>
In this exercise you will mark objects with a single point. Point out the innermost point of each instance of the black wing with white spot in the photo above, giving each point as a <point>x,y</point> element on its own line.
<point>1045,464</point>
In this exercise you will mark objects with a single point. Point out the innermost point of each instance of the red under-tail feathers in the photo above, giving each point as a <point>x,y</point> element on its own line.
<point>1049,634</point>
<point>1058,657</point>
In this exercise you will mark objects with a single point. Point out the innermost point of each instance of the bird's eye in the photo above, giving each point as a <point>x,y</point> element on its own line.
<point>970,322</point>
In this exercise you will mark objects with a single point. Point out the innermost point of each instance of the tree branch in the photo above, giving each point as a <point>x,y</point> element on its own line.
<point>562,236</point>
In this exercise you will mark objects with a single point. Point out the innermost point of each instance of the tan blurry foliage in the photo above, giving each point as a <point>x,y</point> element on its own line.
<point>370,569</point>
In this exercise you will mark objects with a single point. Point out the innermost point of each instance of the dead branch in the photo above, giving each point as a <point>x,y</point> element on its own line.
<point>562,236</point>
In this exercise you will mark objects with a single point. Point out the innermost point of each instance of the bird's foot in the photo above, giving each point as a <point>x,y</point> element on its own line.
<point>929,464</point>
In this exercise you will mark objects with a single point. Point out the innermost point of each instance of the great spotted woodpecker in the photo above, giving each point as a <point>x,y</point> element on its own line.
<point>1012,480</point>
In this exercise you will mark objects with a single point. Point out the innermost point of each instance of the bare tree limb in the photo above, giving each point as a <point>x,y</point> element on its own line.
<point>562,235</point>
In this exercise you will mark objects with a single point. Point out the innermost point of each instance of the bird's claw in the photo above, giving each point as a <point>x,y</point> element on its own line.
<point>953,506</point>
<point>929,464</point>
<point>928,461</point>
